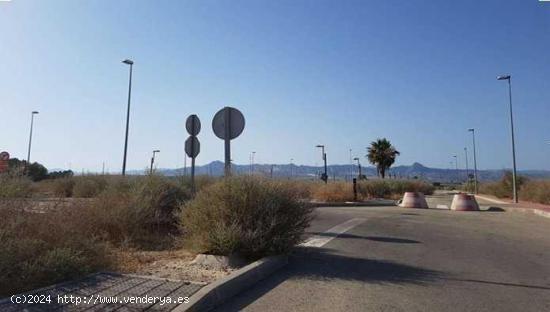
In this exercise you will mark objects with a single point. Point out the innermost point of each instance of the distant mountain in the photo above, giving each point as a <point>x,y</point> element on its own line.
<point>342,172</point>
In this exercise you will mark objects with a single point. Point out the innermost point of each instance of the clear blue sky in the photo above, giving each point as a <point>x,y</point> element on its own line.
<point>341,73</point>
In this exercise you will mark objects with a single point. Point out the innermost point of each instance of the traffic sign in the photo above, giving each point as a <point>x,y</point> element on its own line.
<point>4,156</point>
<point>228,123</point>
<point>192,146</point>
<point>193,125</point>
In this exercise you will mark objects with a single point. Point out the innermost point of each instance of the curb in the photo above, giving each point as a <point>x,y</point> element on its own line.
<point>219,291</point>
<point>353,204</point>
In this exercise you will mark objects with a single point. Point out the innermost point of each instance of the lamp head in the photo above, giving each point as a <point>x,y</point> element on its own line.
<point>129,62</point>
<point>504,77</point>
<point>34,112</point>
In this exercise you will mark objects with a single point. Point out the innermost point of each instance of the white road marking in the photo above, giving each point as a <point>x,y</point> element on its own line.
<point>491,200</point>
<point>442,207</point>
<point>332,233</point>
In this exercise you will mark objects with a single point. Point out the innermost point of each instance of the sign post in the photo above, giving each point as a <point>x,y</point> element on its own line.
<point>228,123</point>
<point>192,144</point>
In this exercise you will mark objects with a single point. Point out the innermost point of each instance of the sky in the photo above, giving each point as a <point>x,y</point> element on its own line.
<point>338,73</point>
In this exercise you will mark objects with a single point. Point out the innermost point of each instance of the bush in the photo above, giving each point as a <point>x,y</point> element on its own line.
<point>249,216</point>
<point>14,186</point>
<point>63,187</point>
<point>333,192</point>
<point>42,249</point>
<point>392,188</point>
<point>536,191</point>
<point>137,212</point>
<point>502,188</point>
<point>89,186</point>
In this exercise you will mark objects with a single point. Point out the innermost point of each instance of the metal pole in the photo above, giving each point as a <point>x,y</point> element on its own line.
<point>325,159</point>
<point>227,142</point>
<point>467,169</point>
<point>152,161</point>
<point>475,160</point>
<point>456,168</point>
<point>514,174</point>
<point>351,163</point>
<point>127,117</point>
<point>30,139</point>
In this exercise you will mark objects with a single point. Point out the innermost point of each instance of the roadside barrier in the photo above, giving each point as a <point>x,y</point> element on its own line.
<point>414,200</point>
<point>464,202</point>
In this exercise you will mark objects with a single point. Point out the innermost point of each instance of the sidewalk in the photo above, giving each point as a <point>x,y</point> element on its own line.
<point>522,206</point>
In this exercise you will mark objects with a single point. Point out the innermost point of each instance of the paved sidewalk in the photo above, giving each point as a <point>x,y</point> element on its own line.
<point>524,206</point>
<point>106,292</point>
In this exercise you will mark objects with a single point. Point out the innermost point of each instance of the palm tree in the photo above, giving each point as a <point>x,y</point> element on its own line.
<point>382,154</point>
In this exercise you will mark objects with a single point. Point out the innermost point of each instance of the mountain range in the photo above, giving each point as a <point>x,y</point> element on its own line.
<point>344,172</point>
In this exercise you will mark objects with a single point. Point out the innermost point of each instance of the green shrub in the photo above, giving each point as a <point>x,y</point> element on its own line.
<point>12,186</point>
<point>249,216</point>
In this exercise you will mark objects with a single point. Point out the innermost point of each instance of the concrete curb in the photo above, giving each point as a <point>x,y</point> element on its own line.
<point>219,291</point>
<point>354,204</point>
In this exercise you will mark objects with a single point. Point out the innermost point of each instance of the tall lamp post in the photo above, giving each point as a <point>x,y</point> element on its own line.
<point>467,169</point>
<point>153,161</point>
<point>30,139</point>
<point>456,168</point>
<point>475,160</point>
<point>324,177</point>
<point>514,176</point>
<point>359,166</point>
<point>131,63</point>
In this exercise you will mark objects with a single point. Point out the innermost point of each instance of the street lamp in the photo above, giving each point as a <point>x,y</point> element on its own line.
<point>153,161</point>
<point>467,169</point>
<point>456,167</point>
<point>359,166</point>
<point>131,63</point>
<point>514,183</point>
<point>30,139</point>
<point>324,177</point>
<point>475,160</point>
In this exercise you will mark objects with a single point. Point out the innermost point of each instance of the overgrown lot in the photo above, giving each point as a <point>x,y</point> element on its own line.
<point>530,190</point>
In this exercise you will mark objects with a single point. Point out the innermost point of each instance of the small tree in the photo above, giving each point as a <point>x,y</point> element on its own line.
<point>382,154</point>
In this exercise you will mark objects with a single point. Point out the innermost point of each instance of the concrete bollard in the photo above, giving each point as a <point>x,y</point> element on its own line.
<point>414,200</point>
<point>464,202</point>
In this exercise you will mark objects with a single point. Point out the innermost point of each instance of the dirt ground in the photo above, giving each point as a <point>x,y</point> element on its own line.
<point>174,264</point>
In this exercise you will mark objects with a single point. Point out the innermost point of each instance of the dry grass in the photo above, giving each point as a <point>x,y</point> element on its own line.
<point>536,191</point>
<point>333,192</point>
<point>392,189</point>
<point>44,248</point>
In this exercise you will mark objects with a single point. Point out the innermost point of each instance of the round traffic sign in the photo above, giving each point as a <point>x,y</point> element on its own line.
<point>193,125</point>
<point>4,156</point>
<point>192,146</point>
<point>228,118</point>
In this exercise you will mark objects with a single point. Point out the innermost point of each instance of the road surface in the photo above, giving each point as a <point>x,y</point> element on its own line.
<point>397,259</point>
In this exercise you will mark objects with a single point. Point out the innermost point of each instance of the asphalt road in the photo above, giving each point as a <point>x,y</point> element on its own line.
<point>402,259</point>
